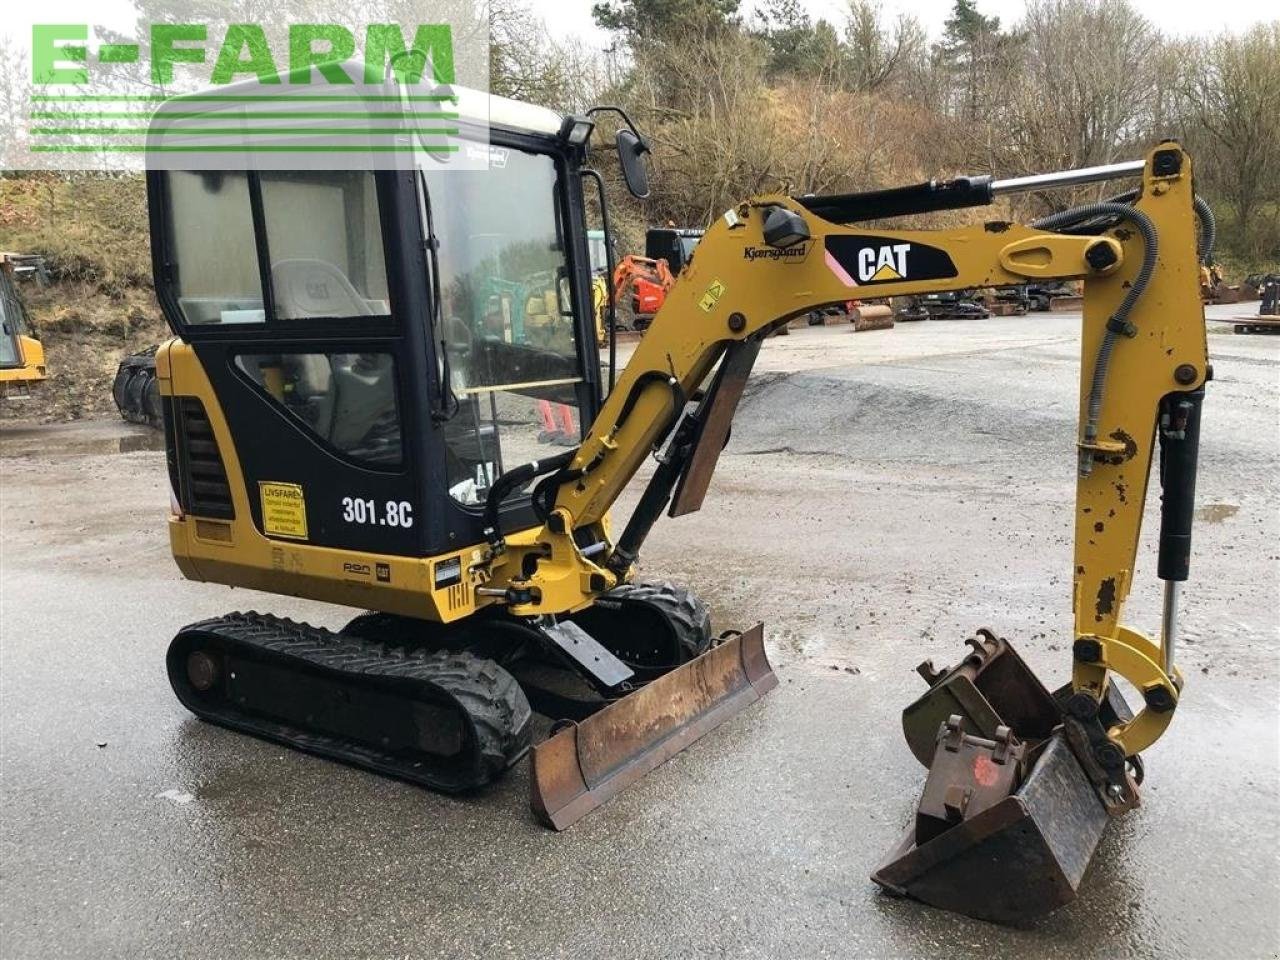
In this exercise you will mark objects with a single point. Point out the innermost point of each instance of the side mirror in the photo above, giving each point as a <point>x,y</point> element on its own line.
<point>631,151</point>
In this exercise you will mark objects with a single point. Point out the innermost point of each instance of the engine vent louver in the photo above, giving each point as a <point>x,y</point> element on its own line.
<point>202,479</point>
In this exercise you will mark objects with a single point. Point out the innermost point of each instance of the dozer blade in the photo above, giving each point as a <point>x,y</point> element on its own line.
<point>586,763</point>
<point>1014,861</point>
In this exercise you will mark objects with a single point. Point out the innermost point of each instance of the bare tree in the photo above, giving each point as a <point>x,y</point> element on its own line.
<point>1084,85</point>
<point>527,63</point>
<point>1233,119</point>
<point>877,54</point>
<point>15,92</point>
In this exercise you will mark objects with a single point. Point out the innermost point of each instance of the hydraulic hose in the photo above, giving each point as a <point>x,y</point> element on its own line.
<point>1206,238</point>
<point>1208,230</point>
<point>1119,322</point>
<point>511,481</point>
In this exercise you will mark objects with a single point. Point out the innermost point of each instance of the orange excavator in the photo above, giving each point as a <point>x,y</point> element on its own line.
<point>646,281</point>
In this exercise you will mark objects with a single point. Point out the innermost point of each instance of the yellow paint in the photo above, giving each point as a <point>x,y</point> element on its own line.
<point>32,369</point>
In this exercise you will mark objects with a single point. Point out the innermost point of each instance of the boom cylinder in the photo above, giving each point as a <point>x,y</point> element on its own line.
<point>1068,178</point>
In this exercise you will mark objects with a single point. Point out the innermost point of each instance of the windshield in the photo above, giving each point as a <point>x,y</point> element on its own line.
<point>506,317</point>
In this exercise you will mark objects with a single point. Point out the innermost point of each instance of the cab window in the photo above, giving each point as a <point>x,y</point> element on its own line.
<point>212,243</point>
<point>318,230</point>
<point>347,400</point>
<point>325,246</point>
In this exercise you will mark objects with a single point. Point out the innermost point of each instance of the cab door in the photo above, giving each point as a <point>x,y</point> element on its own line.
<point>281,283</point>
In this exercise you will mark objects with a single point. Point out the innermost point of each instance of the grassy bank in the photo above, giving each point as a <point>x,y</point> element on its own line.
<point>92,231</point>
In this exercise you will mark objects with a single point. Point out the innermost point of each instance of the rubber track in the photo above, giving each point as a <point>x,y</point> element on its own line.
<point>685,614</point>
<point>497,712</point>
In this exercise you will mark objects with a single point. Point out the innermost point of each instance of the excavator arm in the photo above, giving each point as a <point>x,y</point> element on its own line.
<point>1144,365</point>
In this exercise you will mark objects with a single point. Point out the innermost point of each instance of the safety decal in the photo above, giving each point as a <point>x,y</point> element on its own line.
<point>712,296</point>
<point>284,510</point>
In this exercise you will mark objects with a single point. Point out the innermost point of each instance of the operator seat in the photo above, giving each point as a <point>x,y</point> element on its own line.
<point>362,395</point>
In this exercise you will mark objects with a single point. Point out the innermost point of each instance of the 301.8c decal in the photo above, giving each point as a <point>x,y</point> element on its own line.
<point>394,513</point>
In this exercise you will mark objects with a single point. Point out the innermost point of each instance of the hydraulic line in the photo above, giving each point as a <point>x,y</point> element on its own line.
<point>1208,229</point>
<point>1206,238</point>
<point>511,481</point>
<point>1119,322</point>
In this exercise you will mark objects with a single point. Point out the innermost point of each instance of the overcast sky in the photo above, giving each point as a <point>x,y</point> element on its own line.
<point>1176,17</point>
<point>1180,17</point>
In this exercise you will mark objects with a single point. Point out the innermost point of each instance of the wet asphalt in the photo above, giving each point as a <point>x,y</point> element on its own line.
<point>884,494</point>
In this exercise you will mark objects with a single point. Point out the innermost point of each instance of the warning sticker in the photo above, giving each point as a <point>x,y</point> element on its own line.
<point>284,510</point>
<point>712,296</point>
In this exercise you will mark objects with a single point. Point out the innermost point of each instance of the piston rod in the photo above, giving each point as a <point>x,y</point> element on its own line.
<point>1068,178</point>
<point>1169,623</point>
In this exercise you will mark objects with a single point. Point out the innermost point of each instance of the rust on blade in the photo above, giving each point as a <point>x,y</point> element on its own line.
<point>585,764</point>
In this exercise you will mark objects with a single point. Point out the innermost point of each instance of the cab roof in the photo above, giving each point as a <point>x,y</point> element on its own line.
<point>474,106</point>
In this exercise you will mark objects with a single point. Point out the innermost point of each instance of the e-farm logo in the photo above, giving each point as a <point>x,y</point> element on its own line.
<point>60,53</point>
<point>208,96</point>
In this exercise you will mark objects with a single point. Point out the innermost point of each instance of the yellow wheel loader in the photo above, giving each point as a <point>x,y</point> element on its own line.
<point>22,363</point>
<point>339,428</point>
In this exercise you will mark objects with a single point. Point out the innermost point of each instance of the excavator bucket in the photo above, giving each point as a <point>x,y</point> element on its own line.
<point>1012,861</point>
<point>1010,816</point>
<point>587,762</point>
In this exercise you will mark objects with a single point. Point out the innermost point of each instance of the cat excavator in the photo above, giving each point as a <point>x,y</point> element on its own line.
<point>340,427</point>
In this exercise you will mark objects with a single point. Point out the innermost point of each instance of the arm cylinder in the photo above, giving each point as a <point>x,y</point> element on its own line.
<point>1068,178</point>
<point>1179,453</point>
<point>901,201</point>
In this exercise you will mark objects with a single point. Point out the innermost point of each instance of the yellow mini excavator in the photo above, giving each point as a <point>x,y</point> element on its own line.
<point>22,363</point>
<point>341,426</point>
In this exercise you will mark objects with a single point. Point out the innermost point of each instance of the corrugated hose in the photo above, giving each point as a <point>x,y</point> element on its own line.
<point>1119,322</point>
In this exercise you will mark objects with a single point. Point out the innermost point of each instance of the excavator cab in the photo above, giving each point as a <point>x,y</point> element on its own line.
<point>326,335</point>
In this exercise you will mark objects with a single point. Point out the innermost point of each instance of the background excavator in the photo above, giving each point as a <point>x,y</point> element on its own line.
<point>642,283</point>
<point>22,363</point>
<point>341,426</point>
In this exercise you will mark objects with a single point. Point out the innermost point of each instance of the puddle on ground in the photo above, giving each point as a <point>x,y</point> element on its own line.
<point>148,440</point>
<point>79,439</point>
<point>1217,512</point>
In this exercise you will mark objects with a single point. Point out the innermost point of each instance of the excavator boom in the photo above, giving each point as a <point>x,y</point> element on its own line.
<point>1142,378</point>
